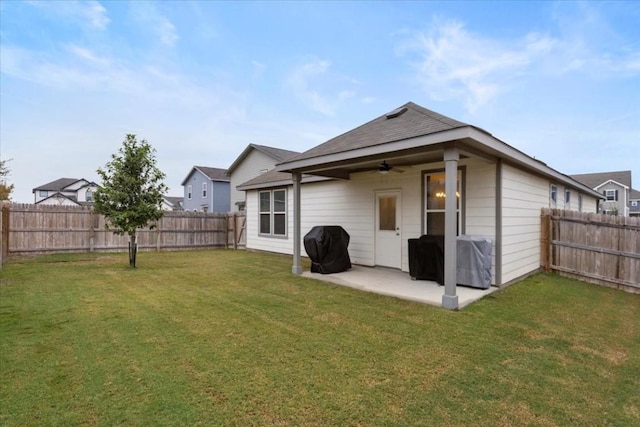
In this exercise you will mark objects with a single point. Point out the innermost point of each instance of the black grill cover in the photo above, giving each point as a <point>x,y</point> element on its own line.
<point>326,246</point>
<point>426,258</point>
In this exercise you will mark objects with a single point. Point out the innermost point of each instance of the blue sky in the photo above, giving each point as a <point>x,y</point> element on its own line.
<point>201,80</point>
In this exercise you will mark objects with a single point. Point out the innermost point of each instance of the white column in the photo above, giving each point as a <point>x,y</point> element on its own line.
<point>297,261</point>
<point>450,299</point>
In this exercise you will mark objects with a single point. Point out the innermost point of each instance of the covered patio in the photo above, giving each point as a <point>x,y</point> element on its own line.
<point>398,284</point>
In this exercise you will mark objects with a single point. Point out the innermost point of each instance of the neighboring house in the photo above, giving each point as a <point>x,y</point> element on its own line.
<point>408,173</point>
<point>206,189</point>
<point>170,203</point>
<point>253,161</point>
<point>65,191</point>
<point>634,203</point>
<point>615,188</point>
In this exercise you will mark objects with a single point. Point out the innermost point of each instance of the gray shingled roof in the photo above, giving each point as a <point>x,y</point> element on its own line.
<point>56,185</point>
<point>592,180</point>
<point>277,154</point>
<point>214,174</point>
<point>415,121</point>
<point>273,177</point>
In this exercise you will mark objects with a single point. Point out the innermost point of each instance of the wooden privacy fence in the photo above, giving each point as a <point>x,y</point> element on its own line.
<point>29,229</point>
<point>601,249</point>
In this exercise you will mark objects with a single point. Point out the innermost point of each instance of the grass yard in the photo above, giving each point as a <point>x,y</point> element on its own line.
<point>232,338</point>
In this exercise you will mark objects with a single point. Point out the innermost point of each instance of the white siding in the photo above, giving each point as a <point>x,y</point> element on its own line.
<point>58,201</point>
<point>351,203</point>
<point>250,167</point>
<point>523,196</point>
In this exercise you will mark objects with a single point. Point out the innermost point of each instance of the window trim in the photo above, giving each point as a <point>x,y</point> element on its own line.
<point>614,195</point>
<point>553,195</point>
<point>272,213</point>
<point>204,190</point>
<point>462,176</point>
<point>189,191</point>
<point>567,196</point>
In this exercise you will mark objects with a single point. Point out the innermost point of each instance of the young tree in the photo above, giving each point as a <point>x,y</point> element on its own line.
<point>132,190</point>
<point>5,189</point>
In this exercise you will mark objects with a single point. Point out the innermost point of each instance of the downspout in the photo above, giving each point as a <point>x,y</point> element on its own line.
<point>297,261</point>
<point>450,299</point>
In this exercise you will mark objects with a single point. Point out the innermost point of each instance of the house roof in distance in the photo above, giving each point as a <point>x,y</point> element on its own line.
<point>214,174</point>
<point>592,180</point>
<point>61,184</point>
<point>56,185</point>
<point>277,154</point>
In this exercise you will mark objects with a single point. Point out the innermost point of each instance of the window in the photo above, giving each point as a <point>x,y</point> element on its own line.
<point>435,203</point>
<point>554,195</point>
<point>611,195</point>
<point>204,190</point>
<point>189,190</point>
<point>634,203</point>
<point>580,202</point>
<point>273,212</point>
<point>88,195</point>
<point>43,193</point>
<point>567,197</point>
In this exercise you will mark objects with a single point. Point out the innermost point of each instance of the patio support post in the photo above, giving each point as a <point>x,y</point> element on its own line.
<point>297,262</point>
<point>450,299</point>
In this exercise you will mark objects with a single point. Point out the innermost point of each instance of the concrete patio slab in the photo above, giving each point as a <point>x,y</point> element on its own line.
<point>398,284</point>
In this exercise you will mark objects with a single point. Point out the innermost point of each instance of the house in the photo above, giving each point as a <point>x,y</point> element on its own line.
<point>615,188</point>
<point>634,203</point>
<point>171,203</point>
<point>65,191</point>
<point>206,189</point>
<point>407,173</point>
<point>253,161</point>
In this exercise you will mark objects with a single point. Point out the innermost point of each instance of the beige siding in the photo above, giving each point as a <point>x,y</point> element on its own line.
<point>249,168</point>
<point>523,196</point>
<point>350,204</point>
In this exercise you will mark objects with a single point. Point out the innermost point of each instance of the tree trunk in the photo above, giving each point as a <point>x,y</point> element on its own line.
<point>133,250</point>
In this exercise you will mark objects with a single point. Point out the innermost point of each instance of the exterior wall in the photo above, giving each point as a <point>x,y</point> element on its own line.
<point>75,186</point>
<point>621,205</point>
<point>37,197</point>
<point>220,196</point>
<point>251,166</point>
<point>351,205</point>
<point>58,201</point>
<point>81,194</point>
<point>523,195</point>
<point>197,202</point>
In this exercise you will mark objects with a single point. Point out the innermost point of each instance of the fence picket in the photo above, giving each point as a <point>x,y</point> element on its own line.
<point>49,229</point>
<point>601,249</point>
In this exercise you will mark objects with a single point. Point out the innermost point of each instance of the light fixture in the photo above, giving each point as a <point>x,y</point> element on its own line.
<point>384,167</point>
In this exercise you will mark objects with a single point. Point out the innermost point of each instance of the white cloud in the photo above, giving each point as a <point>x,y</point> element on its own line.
<point>319,88</point>
<point>88,13</point>
<point>149,17</point>
<point>453,63</point>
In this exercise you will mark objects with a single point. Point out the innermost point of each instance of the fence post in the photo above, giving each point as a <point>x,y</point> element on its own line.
<point>159,234</point>
<point>226,231</point>
<point>235,231</point>
<point>5,217</point>
<point>544,239</point>
<point>92,231</point>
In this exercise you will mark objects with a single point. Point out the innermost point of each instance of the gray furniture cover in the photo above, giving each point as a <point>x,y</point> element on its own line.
<point>474,261</point>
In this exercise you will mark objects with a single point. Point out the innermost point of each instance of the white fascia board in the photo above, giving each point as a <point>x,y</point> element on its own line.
<point>611,181</point>
<point>529,162</point>
<point>317,163</point>
<point>282,183</point>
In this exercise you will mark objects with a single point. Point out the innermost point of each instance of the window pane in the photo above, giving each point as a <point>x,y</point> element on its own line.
<point>279,201</point>
<point>435,223</point>
<point>435,191</point>
<point>265,224</point>
<point>265,201</point>
<point>387,213</point>
<point>279,224</point>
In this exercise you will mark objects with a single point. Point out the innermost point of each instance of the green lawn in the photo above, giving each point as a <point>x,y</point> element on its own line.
<point>232,338</point>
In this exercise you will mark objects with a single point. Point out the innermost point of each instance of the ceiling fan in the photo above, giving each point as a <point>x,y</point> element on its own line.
<point>385,168</point>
